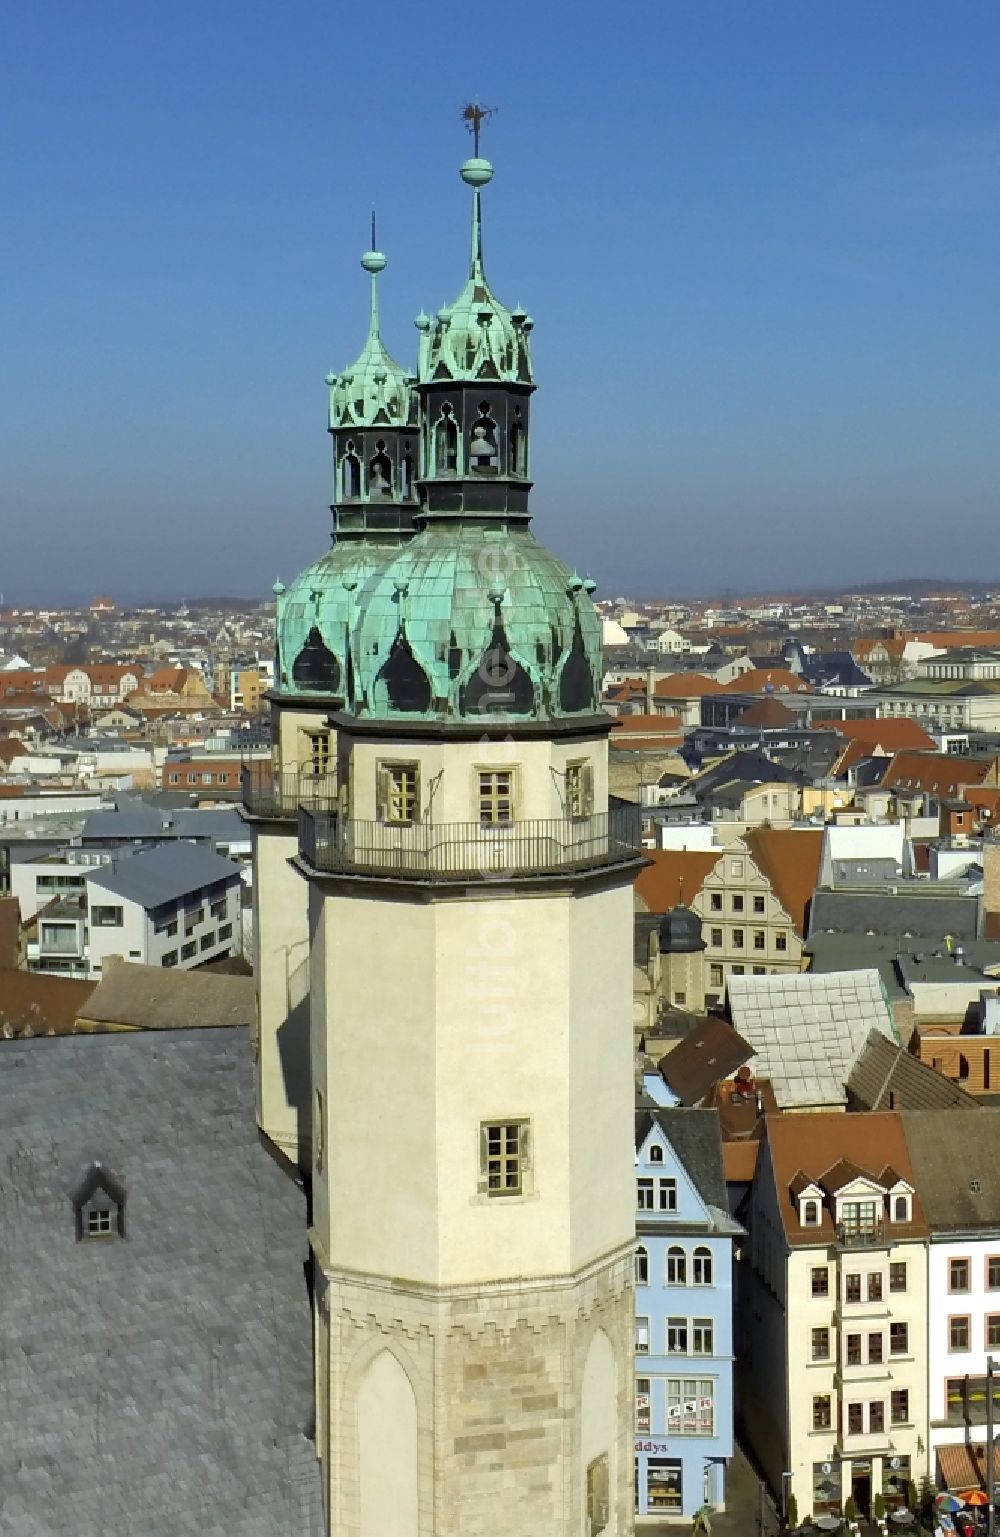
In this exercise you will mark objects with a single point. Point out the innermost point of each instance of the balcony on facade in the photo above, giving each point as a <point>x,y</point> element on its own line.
<point>469,851</point>
<point>276,795</point>
<point>872,1236</point>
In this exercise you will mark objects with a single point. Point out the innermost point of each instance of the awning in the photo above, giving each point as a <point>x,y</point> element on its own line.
<point>964,1467</point>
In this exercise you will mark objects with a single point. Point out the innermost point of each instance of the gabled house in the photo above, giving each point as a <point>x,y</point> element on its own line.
<point>833,1312</point>
<point>684,1313</point>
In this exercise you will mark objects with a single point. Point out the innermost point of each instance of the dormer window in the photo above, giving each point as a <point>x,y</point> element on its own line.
<point>810,1214</point>
<point>99,1205</point>
<point>902,1208</point>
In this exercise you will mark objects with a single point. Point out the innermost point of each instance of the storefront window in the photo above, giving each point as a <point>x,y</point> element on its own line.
<point>664,1486</point>
<point>895,1481</point>
<point>826,1488</point>
<point>690,1406</point>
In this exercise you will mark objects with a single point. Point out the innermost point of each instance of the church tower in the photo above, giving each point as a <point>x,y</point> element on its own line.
<point>470,920</point>
<point>373,425</point>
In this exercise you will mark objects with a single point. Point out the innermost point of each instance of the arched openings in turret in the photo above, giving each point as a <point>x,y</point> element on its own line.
<point>517,446</point>
<point>406,684</point>
<point>484,453</point>
<point>316,669</point>
<point>350,472</point>
<point>380,472</point>
<point>446,442</point>
<point>408,469</point>
<point>499,682</point>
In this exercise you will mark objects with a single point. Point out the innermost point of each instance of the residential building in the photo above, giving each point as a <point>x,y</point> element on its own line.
<point>684,1314</point>
<point>954,1170</point>
<point>833,1312</point>
<point>176,904</point>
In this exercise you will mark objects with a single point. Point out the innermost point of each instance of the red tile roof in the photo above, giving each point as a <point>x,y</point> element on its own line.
<point>789,858</point>
<point>937,773</point>
<point>686,685</point>
<point>760,680</point>
<point>674,875</point>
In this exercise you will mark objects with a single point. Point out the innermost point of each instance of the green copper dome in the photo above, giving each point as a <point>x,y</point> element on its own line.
<point>317,612</point>
<point>375,391</point>
<point>477,337</point>
<point>475,621</point>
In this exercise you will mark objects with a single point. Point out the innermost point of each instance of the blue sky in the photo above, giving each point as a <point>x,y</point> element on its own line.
<point>758,239</point>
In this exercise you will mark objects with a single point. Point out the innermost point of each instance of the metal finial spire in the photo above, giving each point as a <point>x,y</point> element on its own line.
<point>373,262</point>
<point>476,173</point>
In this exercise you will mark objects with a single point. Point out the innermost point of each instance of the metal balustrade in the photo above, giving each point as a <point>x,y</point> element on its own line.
<point>266,792</point>
<point>451,851</point>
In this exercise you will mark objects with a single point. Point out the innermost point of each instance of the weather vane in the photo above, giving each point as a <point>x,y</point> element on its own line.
<point>474,116</point>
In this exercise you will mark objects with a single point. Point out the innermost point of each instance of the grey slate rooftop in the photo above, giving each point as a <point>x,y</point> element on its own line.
<point>807,1031</point>
<point>157,1385</point>
<point>162,874</point>
<point>917,910</point>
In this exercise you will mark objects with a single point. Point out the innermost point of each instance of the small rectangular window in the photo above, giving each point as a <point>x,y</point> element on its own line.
<point>759,939</point>
<point>642,1336</point>
<point>958,1333</point>
<point>992,1331</point>
<point>398,792</point>
<point>993,1273</point>
<point>855,1419</point>
<point>876,1417</point>
<point>106,917</point>
<point>958,1275</point>
<point>677,1336</point>
<point>644,1194</point>
<point>852,1288</point>
<point>187,951</point>
<point>899,1339</point>
<point>737,939</point>
<point>821,1412</point>
<point>821,1344</point>
<point>854,1350</point>
<point>225,931</point>
<point>579,789</point>
<point>666,1194</point>
<point>318,753</point>
<point>701,1337</point>
<point>503,1156</point>
<point>897,1276</point>
<point>715,975</point>
<point>715,901</point>
<point>900,1406</point>
<point>737,903</point>
<point>759,906</point>
<point>716,940</point>
<point>781,940</point>
<point>496,797</point>
<point>98,1222</point>
<point>169,958</point>
<point>208,940</point>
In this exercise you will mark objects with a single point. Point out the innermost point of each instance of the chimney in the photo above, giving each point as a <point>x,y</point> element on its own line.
<point>991,874</point>
<point>650,682</point>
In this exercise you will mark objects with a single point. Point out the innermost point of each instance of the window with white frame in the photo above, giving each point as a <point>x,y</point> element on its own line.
<point>702,1267</point>
<point>676,1266</point>
<point>690,1406</point>
<point>644,1194</point>
<point>656,1153</point>
<point>666,1194</point>
<point>642,1336</point>
<point>641,1266</point>
<point>677,1336</point>
<point>702,1337</point>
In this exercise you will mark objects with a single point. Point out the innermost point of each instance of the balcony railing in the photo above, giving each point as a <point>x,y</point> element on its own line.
<point>866,1237</point>
<point>266,792</point>
<point>468,851</point>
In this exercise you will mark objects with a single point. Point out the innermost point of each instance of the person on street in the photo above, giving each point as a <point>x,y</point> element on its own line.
<point>702,1522</point>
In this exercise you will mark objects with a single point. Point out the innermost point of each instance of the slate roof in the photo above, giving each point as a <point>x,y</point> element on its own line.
<point>151,998</point>
<point>948,1162</point>
<point>925,915</point>
<point>221,825</point>
<point>158,1384</point>
<point>807,1031</point>
<point>164,873</point>
<point>885,1070</point>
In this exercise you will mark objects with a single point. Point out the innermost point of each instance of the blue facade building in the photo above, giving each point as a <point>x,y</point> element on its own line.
<point>684,1313</point>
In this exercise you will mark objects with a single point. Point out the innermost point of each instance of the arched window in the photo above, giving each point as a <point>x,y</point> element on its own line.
<point>702,1267</point>
<point>901,1209</point>
<point>446,442</point>
<point>656,1153</point>
<point>350,472</point>
<point>380,472</point>
<point>676,1266</point>
<point>641,1267</point>
<point>483,454</point>
<point>407,475</point>
<point>518,446</point>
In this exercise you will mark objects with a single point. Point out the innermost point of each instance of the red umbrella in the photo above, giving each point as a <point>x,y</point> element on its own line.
<point>976,1497</point>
